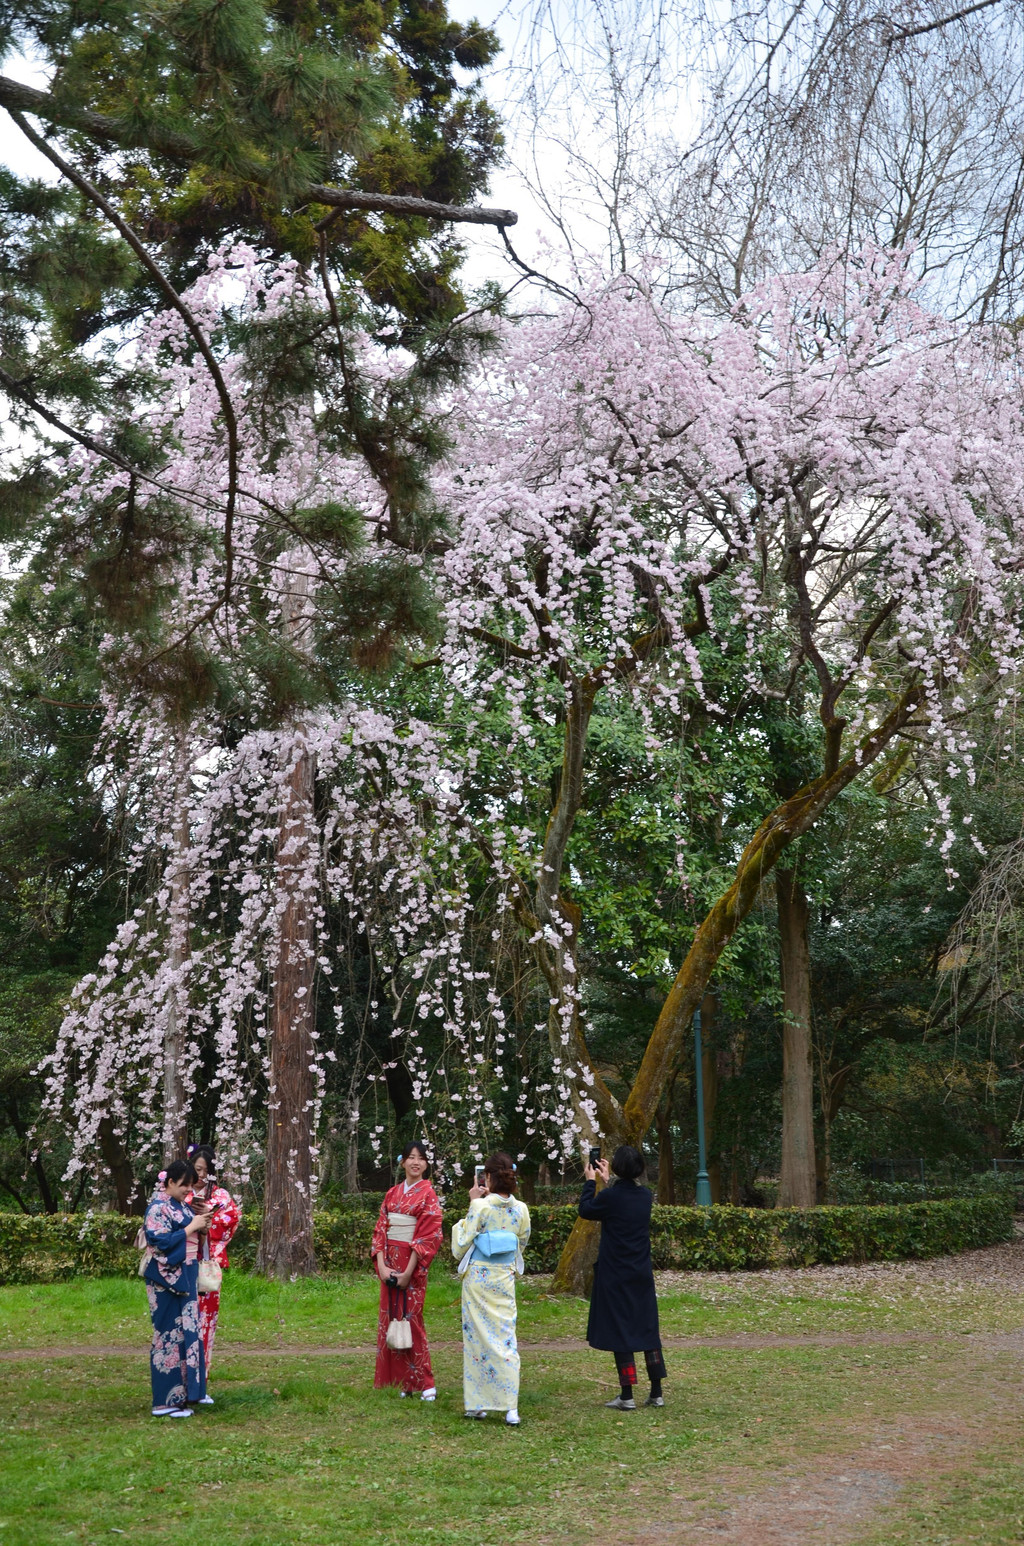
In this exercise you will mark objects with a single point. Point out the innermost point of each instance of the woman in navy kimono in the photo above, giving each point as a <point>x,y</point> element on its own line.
<point>171,1272</point>
<point>623,1304</point>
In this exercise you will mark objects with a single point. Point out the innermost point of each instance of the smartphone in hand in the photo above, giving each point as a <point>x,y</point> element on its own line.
<point>595,1158</point>
<point>480,1176</point>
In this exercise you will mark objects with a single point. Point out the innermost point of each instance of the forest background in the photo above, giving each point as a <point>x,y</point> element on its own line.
<point>163,644</point>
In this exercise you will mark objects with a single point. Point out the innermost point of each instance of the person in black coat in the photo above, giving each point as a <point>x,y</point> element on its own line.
<point>623,1304</point>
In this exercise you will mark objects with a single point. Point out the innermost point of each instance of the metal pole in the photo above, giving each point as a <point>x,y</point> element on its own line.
<point>703,1184</point>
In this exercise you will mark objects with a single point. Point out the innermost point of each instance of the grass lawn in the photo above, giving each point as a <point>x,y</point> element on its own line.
<point>332,1312</point>
<point>882,1438</point>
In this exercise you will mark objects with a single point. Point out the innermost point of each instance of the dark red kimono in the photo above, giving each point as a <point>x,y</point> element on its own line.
<point>411,1370</point>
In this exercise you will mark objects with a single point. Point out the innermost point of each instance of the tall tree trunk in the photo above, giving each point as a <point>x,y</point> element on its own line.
<point>352,1148</point>
<point>286,1240</point>
<point>709,1080</point>
<point>42,1179</point>
<point>832,1087</point>
<point>798,1176</point>
<point>117,1162</point>
<point>175,1133</point>
<point>737,1176</point>
<point>553,920</point>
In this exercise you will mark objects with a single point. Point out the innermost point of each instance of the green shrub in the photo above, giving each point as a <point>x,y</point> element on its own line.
<point>51,1248</point>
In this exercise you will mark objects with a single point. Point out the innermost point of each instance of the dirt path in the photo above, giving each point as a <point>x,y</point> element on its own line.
<point>739,1343</point>
<point>858,1491</point>
<point>829,1501</point>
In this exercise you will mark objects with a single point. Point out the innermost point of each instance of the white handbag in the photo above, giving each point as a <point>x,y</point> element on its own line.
<point>210,1276</point>
<point>399,1337</point>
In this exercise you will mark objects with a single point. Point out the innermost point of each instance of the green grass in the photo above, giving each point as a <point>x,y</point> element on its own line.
<point>302,1449</point>
<point>339,1311</point>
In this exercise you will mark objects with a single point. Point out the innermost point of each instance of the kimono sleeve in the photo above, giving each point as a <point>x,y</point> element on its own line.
<point>165,1234</point>
<point>593,1204</point>
<point>427,1240</point>
<point>467,1229</point>
<point>380,1233</point>
<point>223,1225</point>
<point>523,1226</point>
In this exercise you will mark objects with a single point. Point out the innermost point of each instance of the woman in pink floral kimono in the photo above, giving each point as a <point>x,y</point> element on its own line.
<point>405,1242</point>
<point>224,1215</point>
<point>176,1361</point>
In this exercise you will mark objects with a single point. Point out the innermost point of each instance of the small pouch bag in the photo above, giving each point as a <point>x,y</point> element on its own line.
<point>399,1337</point>
<point>210,1276</point>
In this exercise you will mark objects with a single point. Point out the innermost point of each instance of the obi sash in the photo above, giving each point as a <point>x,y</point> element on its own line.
<point>497,1247</point>
<point>402,1226</point>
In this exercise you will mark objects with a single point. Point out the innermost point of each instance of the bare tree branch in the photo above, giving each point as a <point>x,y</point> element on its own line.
<point>942,21</point>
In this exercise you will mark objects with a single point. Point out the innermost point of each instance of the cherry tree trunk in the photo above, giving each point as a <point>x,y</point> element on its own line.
<point>286,1240</point>
<point>117,1162</point>
<point>798,1175</point>
<point>352,1149</point>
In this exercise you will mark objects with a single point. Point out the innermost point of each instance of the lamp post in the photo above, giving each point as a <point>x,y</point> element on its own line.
<point>703,1184</point>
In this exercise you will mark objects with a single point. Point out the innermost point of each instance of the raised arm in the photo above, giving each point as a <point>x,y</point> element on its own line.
<point>593,1204</point>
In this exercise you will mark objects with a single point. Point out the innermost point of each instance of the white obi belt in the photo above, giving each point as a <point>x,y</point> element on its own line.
<point>402,1226</point>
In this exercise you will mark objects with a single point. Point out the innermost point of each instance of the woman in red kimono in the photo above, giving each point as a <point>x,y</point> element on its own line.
<point>224,1213</point>
<point>405,1242</point>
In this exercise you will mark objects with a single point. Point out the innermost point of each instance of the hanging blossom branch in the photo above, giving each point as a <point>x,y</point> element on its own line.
<point>401,881</point>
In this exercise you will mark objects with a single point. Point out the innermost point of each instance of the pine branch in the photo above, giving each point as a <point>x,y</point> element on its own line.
<point>171,295</point>
<point>16,97</point>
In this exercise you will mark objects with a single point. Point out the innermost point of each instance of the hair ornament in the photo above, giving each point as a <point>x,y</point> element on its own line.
<point>192,1148</point>
<point>515,1167</point>
<point>162,1176</point>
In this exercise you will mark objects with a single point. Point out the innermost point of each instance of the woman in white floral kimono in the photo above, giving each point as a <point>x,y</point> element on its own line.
<point>177,1365</point>
<point>489,1243</point>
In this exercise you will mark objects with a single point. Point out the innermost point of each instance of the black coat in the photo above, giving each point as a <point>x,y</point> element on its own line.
<point>623,1305</point>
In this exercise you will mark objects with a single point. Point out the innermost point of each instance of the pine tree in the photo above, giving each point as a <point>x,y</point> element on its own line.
<point>333,141</point>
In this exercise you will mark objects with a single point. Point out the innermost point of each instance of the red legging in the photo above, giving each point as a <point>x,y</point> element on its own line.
<point>209,1309</point>
<point>626,1366</point>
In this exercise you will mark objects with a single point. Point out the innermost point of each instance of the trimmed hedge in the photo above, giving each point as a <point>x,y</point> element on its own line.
<point>50,1248</point>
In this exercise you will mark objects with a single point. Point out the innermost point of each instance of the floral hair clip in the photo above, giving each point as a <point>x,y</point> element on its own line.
<point>162,1176</point>
<point>192,1148</point>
